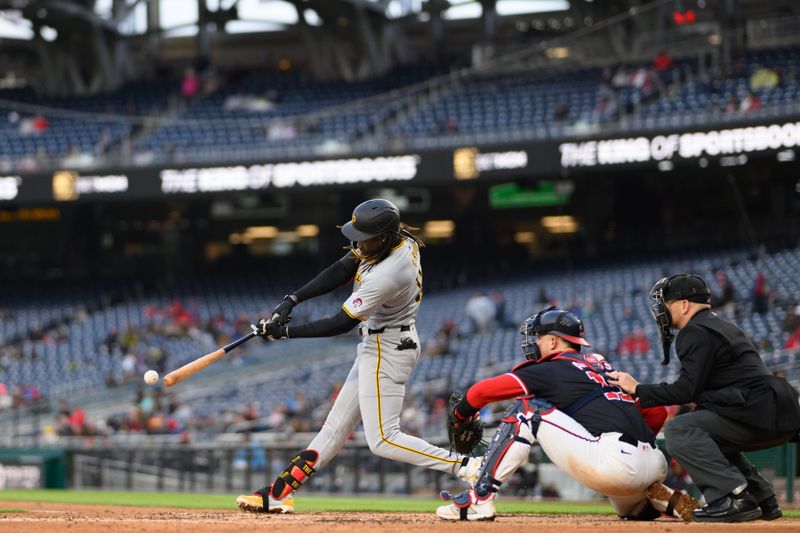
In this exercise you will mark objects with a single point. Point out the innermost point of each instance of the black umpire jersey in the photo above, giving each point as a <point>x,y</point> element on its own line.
<point>722,371</point>
<point>568,379</point>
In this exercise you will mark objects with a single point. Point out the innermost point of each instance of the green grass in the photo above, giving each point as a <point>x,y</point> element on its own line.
<point>3,511</point>
<point>304,503</point>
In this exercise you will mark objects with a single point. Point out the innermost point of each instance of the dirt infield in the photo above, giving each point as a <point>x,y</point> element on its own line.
<point>49,517</point>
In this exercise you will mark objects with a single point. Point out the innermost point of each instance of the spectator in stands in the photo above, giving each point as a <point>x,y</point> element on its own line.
<point>793,342</point>
<point>77,420</point>
<point>129,367</point>
<point>501,311</point>
<point>452,124</point>
<point>629,320</point>
<point>738,69</point>
<point>561,112</point>
<point>190,86</point>
<point>443,338</point>
<point>761,294</point>
<point>252,453</point>
<point>481,312</point>
<point>635,343</point>
<point>607,108</point>
<point>750,103</point>
<point>764,78</point>
<point>111,380</point>
<point>733,105</point>
<point>5,398</point>
<point>542,300</point>
<point>575,308</point>
<point>792,320</point>
<point>662,61</point>
<point>647,85</point>
<point>724,300</point>
<point>40,124</point>
<point>621,78</point>
<point>710,83</point>
<point>448,125</point>
<point>765,346</point>
<point>663,65</point>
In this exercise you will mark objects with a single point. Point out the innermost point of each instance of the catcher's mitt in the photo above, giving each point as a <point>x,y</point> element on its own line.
<point>465,434</point>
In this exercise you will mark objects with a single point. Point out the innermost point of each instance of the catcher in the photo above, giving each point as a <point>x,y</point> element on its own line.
<point>594,432</point>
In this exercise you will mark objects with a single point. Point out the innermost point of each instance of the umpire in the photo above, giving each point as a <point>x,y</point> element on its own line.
<point>741,406</point>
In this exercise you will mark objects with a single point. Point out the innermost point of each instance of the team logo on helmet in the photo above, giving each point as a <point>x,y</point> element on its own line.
<point>354,219</point>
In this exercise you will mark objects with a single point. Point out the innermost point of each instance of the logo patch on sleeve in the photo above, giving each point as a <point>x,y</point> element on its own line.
<point>357,302</point>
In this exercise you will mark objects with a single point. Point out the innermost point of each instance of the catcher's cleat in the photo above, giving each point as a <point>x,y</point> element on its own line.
<point>469,472</point>
<point>254,503</point>
<point>673,503</point>
<point>467,506</point>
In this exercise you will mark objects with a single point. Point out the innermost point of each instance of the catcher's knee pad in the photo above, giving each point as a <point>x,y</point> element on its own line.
<point>300,468</point>
<point>510,446</point>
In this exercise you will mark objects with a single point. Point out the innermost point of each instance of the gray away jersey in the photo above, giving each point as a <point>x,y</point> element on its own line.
<point>388,293</point>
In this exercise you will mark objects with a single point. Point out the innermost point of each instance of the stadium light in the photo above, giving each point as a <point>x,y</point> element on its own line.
<point>557,52</point>
<point>439,229</point>
<point>261,232</point>
<point>307,230</point>
<point>524,237</point>
<point>560,224</point>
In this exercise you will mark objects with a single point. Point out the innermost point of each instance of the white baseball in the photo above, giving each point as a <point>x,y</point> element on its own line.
<point>151,377</point>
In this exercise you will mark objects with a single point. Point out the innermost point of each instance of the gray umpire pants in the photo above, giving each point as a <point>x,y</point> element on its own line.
<point>710,448</point>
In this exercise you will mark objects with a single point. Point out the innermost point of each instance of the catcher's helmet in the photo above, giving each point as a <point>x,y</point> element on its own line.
<point>551,321</point>
<point>372,218</point>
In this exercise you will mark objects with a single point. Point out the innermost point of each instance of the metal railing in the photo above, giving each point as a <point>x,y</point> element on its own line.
<point>230,468</point>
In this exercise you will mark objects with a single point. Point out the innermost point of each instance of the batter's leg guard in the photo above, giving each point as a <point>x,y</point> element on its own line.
<point>671,502</point>
<point>508,451</point>
<point>278,497</point>
<point>300,468</point>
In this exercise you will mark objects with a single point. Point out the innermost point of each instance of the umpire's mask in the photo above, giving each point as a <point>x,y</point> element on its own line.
<point>681,287</point>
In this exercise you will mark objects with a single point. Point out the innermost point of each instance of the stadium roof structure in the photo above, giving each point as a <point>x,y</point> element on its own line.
<point>19,19</point>
<point>85,46</point>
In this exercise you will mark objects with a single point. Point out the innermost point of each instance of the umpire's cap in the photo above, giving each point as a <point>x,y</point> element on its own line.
<point>372,218</point>
<point>687,287</point>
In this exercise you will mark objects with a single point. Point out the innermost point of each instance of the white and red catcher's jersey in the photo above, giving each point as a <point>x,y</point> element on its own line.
<point>388,293</point>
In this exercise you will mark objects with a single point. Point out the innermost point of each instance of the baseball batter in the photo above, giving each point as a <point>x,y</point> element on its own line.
<point>384,262</point>
<point>592,431</point>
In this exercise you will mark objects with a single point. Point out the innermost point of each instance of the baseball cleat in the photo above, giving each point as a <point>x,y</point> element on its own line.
<point>254,503</point>
<point>674,503</point>
<point>470,471</point>
<point>466,506</point>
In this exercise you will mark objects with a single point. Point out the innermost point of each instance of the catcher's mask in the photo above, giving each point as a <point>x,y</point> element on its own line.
<point>552,321</point>
<point>371,219</point>
<point>681,287</point>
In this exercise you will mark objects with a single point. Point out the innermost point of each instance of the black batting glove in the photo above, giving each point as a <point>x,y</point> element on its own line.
<point>282,313</point>
<point>270,330</point>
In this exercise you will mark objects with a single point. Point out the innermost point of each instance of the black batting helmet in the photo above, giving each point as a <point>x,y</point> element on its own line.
<point>551,321</point>
<point>372,218</point>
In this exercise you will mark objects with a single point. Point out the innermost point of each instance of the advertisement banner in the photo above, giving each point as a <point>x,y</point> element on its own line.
<point>548,159</point>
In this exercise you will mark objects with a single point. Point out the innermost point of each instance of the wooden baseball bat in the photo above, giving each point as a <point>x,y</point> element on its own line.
<point>193,367</point>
